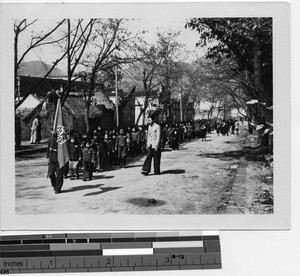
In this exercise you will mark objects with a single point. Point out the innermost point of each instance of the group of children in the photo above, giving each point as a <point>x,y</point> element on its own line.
<point>101,149</point>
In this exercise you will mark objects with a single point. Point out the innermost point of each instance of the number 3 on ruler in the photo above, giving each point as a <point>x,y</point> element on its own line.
<point>167,260</point>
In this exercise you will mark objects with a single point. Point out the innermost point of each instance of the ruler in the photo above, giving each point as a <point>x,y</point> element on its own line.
<point>102,252</point>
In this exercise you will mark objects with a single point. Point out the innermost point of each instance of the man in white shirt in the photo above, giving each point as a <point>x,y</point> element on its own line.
<point>153,147</point>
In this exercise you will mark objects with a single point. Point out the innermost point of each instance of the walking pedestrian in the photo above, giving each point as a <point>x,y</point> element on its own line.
<point>153,147</point>
<point>54,172</point>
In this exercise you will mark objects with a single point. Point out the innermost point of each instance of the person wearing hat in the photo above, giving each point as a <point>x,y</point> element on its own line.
<point>153,147</point>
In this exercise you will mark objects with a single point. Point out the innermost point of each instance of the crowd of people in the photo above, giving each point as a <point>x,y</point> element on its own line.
<point>102,149</point>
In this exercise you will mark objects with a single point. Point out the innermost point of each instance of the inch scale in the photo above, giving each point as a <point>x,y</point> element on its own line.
<point>102,252</point>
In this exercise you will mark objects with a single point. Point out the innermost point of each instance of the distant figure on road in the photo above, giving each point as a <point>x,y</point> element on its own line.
<point>54,172</point>
<point>174,137</point>
<point>153,147</point>
<point>203,131</point>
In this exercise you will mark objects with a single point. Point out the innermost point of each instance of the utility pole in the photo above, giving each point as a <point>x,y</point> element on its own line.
<point>117,100</point>
<point>181,111</point>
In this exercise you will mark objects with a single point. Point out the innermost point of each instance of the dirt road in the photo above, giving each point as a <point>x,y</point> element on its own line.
<point>192,181</point>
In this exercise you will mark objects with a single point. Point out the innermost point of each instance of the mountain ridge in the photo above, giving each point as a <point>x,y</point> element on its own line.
<point>37,68</point>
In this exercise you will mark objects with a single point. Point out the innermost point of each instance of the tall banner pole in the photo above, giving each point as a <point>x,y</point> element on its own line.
<point>53,130</point>
<point>117,97</point>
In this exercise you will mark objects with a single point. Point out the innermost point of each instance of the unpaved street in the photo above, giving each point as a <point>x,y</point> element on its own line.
<point>192,181</point>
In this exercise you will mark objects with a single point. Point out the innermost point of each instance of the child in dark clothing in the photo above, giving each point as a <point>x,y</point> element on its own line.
<point>110,147</point>
<point>88,159</point>
<point>103,154</point>
<point>75,155</point>
<point>122,147</point>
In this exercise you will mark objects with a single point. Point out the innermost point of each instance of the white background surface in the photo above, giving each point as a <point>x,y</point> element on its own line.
<point>265,253</point>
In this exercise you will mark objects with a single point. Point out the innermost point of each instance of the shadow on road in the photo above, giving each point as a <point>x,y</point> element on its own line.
<point>145,202</point>
<point>227,155</point>
<point>82,187</point>
<point>251,154</point>
<point>103,190</point>
<point>178,171</point>
<point>95,177</point>
<point>134,166</point>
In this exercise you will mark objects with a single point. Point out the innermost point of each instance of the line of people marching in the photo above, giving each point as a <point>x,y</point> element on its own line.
<point>102,149</point>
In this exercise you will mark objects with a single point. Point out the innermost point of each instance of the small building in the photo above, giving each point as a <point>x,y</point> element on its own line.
<point>101,110</point>
<point>31,102</point>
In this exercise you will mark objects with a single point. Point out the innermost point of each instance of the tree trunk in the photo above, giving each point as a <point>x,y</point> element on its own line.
<point>142,111</point>
<point>185,110</point>
<point>144,117</point>
<point>258,80</point>
<point>258,69</point>
<point>86,117</point>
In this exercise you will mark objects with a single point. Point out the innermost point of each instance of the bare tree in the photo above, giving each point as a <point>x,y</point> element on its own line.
<point>155,70</point>
<point>148,75</point>
<point>36,41</point>
<point>109,47</point>
<point>77,40</point>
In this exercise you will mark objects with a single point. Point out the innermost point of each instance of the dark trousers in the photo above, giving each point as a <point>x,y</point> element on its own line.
<point>134,148</point>
<point>87,170</point>
<point>156,154</point>
<point>122,155</point>
<point>56,175</point>
<point>66,169</point>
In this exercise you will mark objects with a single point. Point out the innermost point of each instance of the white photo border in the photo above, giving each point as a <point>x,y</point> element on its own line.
<point>280,219</point>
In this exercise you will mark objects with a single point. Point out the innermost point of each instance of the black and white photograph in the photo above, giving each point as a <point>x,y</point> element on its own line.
<point>135,114</point>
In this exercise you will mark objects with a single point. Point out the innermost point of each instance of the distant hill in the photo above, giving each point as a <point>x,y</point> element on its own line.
<point>37,68</point>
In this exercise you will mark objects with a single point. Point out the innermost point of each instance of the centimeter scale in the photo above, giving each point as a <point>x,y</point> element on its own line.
<point>101,252</point>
